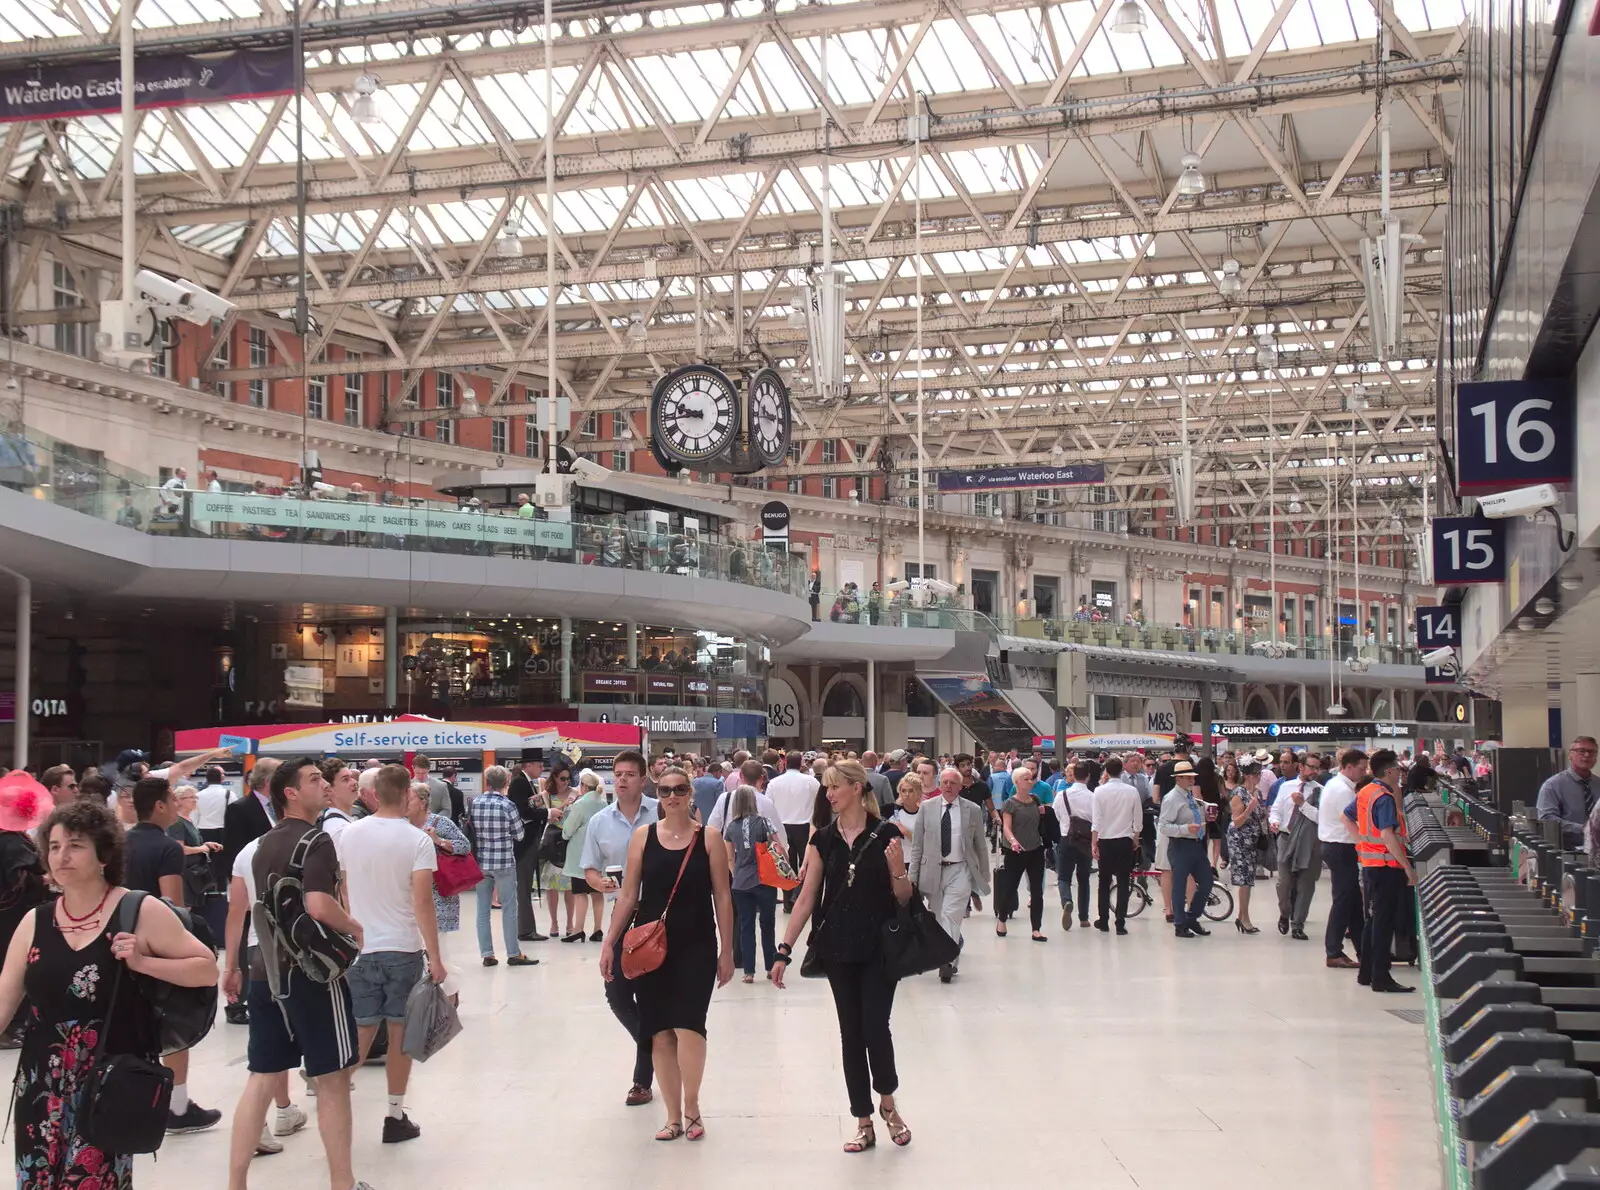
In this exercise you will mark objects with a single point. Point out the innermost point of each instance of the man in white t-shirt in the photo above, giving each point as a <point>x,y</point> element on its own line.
<point>242,895</point>
<point>794,793</point>
<point>388,871</point>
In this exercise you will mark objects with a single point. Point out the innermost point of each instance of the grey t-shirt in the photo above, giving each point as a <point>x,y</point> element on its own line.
<point>744,833</point>
<point>1024,821</point>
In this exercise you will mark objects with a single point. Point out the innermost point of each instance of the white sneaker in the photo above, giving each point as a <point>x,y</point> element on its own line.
<point>311,1087</point>
<point>266,1146</point>
<point>289,1121</point>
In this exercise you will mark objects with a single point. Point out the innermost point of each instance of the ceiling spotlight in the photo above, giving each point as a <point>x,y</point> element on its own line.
<point>1571,582</point>
<point>1229,283</point>
<point>1190,181</point>
<point>1296,507</point>
<point>1266,351</point>
<point>1397,523</point>
<point>1129,20</point>
<point>470,406</point>
<point>1528,624</point>
<point>1544,607</point>
<point>797,317</point>
<point>636,328</point>
<point>1058,454</point>
<point>509,245</point>
<point>363,110</point>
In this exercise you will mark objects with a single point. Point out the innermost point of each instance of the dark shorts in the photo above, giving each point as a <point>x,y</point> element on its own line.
<point>380,982</point>
<point>319,1032</point>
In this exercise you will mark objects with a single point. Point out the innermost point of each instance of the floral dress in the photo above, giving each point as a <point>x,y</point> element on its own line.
<point>69,993</point>
<point>552,878</point>
<point>453,840</point>
<point>1244,840</point>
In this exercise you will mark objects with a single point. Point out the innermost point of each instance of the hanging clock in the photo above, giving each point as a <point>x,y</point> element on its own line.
<point>770,419</point>
<point>694,414</point>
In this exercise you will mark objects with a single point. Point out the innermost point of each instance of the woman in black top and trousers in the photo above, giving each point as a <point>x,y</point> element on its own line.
<point>854,876</point>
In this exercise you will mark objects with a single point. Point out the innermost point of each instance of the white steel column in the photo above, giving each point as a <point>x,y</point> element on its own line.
<point>391,657</point>
<point>872,705</point>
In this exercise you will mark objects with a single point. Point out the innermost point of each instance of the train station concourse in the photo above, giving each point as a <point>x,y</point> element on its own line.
<point>476,477</point>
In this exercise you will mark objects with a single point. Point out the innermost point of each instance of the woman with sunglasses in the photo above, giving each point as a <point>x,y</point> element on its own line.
<point>855,872</point>
<point>674,853</point>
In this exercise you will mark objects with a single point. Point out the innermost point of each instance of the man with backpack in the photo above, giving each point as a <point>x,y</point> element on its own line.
<point>300,1007</point>
<point>154,864</point>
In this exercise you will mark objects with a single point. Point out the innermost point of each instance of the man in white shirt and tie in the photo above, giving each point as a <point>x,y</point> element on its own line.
<point>1114,836</point>
<point>952,856</point>
<point>1345,916</point>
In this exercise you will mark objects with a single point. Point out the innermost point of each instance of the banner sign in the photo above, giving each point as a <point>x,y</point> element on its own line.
<point>1514,433</point>
<point>161,80</point>
<point>412,733</point>
<point>991,478</point>
<point>280,512</point>
<point>1329,729</point>
<point>1107,741</point>
<point>775,523</point>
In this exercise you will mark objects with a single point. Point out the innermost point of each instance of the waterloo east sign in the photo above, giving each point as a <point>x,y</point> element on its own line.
<point>993,478</point>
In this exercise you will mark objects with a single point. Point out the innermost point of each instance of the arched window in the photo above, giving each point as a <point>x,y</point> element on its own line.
<point>1256,708</point>
<point>843,699</point>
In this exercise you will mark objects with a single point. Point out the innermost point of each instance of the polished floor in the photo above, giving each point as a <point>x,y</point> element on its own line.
<point>1090,1061</point>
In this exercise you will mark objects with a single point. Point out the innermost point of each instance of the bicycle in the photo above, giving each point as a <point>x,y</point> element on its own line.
<point>1218,906</point>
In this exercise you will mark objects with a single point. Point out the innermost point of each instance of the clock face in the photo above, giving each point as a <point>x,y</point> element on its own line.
<point>694,413</point>
<point>770,421</point>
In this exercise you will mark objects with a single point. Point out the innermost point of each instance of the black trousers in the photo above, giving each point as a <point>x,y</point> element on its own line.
<point>1008,885</point>
<point>1345,918</point>
<point>1116,860</point>
<point>624,1003</point>
<point>1385,890</point>
<point>527,883</point>
<point>863,997</point>
<point>796,835</point>
<point>1073,863</point>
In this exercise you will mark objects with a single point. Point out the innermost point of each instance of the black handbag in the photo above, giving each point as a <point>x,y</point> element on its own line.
<point>126,1098</point>
<point>914,942</point>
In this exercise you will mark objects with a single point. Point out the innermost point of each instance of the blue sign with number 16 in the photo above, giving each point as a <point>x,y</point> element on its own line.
<point>1513,433</point>
<point>1468,549</point>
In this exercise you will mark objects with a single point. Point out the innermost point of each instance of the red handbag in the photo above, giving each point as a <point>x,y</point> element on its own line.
<point>456,874</point>
<point>644,948</point>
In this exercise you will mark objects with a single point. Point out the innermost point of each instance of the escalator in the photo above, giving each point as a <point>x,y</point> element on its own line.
<point>993,717</point>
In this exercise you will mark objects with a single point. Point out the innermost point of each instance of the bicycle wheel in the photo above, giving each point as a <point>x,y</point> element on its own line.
<point>1219,905</point>
<point>1138,898</point>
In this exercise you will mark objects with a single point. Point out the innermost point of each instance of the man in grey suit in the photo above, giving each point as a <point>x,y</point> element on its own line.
<point>952,856</point>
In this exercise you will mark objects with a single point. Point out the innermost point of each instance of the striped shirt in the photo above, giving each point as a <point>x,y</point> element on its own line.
<point>498,827</point>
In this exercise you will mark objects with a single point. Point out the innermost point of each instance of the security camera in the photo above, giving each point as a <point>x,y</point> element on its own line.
<point>589,469</point>
<point>1518,502</point>
<point>180,298</point>
<point>1358,665</point>
<point>1439,658</point>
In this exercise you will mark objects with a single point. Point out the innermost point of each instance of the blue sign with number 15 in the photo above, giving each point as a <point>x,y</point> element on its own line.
<point>1468,549</point>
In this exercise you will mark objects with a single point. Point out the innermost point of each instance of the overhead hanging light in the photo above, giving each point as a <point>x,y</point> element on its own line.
<point>1266,351</point>
<point>1129,20</point>
<point>636,328</point>
<point>797,317</point>
<point>363,110</point>
<point>1190,181</point>
<point>509,245</point>
<point>1229,282</point>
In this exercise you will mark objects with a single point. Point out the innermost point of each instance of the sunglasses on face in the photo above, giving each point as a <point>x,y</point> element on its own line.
<point>672,790</point>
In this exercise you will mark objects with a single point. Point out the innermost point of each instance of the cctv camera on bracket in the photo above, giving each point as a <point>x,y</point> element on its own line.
<point>1531,502</point>
<point>180,299</point>
<point>1442,659</point>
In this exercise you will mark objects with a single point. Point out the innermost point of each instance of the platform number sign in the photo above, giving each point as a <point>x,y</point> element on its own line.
<point>1468,549</point>
<point>1513,433</point>
<point>1438,627</point>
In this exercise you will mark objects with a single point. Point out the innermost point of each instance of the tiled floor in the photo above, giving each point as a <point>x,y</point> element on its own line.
<point>1091,1061</point>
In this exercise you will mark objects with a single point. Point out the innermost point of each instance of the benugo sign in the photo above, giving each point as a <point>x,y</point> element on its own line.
<point>349,516</point>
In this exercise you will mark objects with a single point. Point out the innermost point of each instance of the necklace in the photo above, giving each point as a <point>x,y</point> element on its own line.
<point>88,921</point>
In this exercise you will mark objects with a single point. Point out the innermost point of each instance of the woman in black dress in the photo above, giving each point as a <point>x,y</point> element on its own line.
<point>673,998</point>
<point>65,958</point>
<point>855,872</point>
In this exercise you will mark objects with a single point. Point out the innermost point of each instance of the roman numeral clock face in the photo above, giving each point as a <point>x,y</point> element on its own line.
<point>694,414</point>
<point>769,417</point>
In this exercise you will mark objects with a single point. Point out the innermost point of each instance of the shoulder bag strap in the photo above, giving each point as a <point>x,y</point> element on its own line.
<point>116,980</point>
<point>682,867</point>
<point>856,851</point>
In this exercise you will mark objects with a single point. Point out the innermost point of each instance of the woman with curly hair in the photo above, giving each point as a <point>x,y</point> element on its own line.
<point>66,960</point>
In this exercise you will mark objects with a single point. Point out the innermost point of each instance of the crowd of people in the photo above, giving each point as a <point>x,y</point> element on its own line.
<point>328,890</point>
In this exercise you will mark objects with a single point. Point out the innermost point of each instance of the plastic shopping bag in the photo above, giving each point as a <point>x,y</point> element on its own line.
<point>431,1020</point>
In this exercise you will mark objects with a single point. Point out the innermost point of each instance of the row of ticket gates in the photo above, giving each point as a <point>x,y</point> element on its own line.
<point>1509,925</point>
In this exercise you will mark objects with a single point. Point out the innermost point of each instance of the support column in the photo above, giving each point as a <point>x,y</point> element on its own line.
<point>24,675</point>
<point>566,658</point>
<point>872,705</point>
<point>391,658</point>
<point>1207,712</point>
<point>1525,722</point>
<point>1302,693</point>
<point>632,628</point>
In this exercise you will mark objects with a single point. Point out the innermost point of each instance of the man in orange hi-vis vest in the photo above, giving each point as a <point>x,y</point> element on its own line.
<point>1380,832</point>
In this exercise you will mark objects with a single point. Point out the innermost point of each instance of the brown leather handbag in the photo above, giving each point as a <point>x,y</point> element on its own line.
<point>644,948</point>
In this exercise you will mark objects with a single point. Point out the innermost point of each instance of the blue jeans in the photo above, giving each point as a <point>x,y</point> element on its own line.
<point>748,904</point>
<point>503,880</point>
<point>1069,862</point>
<point>1188,859</point>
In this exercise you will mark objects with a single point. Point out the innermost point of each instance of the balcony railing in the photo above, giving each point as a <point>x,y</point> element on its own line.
<point>59,474</point>
<point>897,611</point>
